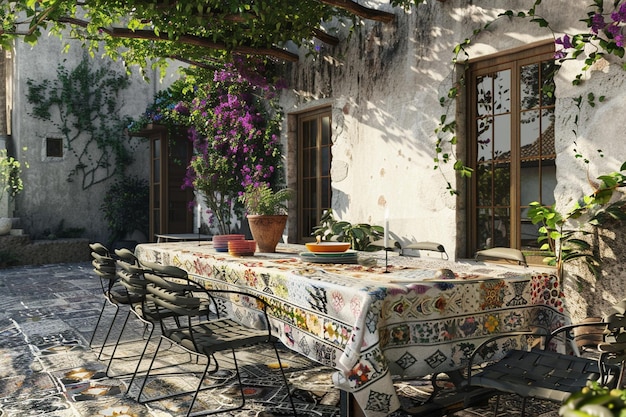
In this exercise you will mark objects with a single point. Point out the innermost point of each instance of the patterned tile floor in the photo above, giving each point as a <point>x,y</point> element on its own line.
<point>47,315</point>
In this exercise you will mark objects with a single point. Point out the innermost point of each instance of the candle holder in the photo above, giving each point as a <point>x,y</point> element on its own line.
<point>387,260</point>
<point>387,246</point>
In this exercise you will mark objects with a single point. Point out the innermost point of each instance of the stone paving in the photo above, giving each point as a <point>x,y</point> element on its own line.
<point>47,315</point>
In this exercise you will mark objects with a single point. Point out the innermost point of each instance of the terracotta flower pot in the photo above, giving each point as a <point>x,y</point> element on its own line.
<point>267,230</point>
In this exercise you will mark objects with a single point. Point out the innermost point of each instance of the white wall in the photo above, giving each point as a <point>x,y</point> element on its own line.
<point>48,198</point>
<point>384,85</point>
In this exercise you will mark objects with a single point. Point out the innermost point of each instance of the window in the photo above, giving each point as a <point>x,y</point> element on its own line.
<point>54,147</point>
<point>314,159</point>
<point>511,131</point>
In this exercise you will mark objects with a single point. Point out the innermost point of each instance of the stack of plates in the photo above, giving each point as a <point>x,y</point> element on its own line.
<point>241,247</point>
<point>347,257</point>
<point>220,242</point>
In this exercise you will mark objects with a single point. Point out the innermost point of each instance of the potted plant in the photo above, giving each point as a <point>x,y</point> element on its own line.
<point>126,207</point>
<point>266,211</point>
<point>360,235</point>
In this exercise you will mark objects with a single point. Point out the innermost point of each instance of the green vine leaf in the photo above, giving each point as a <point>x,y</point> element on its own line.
<point>87,101</point>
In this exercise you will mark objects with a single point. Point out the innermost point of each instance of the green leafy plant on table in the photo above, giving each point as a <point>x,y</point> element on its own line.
<point>360,235</point>
<point>260,199</point>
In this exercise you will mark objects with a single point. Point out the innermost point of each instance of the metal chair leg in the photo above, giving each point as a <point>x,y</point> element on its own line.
<point>143,352</point>
<point>145,379</point>
<point>95,330</point>
<point>118,341</point>
<point>285,380</point>
<point>104,344</point>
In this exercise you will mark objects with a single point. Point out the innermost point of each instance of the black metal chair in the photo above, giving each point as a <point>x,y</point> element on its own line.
<point>205,337</point>
<point>131,278</point>
<point>545,374</point>
<point>106,269</point>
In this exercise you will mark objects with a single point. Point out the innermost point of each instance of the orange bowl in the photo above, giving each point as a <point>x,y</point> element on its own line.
<point>328,246</point>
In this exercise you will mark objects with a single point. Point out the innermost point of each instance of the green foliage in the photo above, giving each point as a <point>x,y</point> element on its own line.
<point>87,101</point>
<point>597,210</point>
<point>232,118</point>
<point>361,235</point>
<point>10,175</point>
<point>126,207</point>
<point>261,199</point>
<point>604,38</point>
<point>595,400</point>
<point>148,33</point>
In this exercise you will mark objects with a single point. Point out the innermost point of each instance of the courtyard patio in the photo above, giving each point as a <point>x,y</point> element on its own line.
<point>47,315</point>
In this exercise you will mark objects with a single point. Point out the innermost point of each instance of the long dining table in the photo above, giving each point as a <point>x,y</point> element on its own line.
<point>382,317</point>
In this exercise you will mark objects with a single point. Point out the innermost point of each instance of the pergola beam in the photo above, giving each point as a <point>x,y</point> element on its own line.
<point>188,40</point>
<point>361,11</point>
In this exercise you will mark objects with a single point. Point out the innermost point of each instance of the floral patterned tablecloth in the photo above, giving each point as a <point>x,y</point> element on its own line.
<point>376,321</point>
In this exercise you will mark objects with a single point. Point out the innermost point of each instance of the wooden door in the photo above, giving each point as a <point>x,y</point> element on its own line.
<point>169,203</point>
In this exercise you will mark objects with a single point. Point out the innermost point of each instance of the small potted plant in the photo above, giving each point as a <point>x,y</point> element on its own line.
<point>266,211</point>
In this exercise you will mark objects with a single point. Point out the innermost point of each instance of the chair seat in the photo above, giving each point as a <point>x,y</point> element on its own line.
<point>502,254</point>
<point>432,246</point>
<point>217,335</point>
<point>545,374</point>
<point>148,311</point>
<point>425,246</point>
<point>123,298</point>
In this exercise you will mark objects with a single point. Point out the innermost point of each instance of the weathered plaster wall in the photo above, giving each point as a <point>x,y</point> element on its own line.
<point>384,85</point>
<point>599,128</point>
<point>48,198</point>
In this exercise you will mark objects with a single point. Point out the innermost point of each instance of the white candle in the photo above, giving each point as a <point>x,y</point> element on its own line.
<point>386,231</point>
<point>199,218</point>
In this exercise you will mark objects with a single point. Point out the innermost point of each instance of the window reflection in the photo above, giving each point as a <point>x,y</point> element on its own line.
<point>513,145</point>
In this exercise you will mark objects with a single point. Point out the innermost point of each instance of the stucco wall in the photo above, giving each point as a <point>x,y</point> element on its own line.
<point>384,84</point>
<point>48,198</point>
<point>598,129</point>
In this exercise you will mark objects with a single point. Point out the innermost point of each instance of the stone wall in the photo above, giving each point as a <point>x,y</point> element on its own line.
<point>20,250</point>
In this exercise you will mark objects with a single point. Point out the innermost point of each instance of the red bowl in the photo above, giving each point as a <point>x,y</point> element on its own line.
<point>242,247</point>
<point>220,242</point>
<point>226,238</point>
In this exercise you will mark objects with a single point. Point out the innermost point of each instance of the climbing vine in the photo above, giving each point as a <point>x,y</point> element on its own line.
<point>605,38</point>
<point>86,100</point>
<point>559,239</point>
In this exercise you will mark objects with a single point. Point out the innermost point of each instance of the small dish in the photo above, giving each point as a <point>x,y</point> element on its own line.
<point>220,242</point>
<point>335,247</point>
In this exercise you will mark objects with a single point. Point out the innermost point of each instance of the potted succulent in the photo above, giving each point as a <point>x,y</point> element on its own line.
<point>266,211</point>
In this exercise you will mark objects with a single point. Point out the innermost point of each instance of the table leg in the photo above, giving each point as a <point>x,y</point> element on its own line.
<point>349,406</point>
